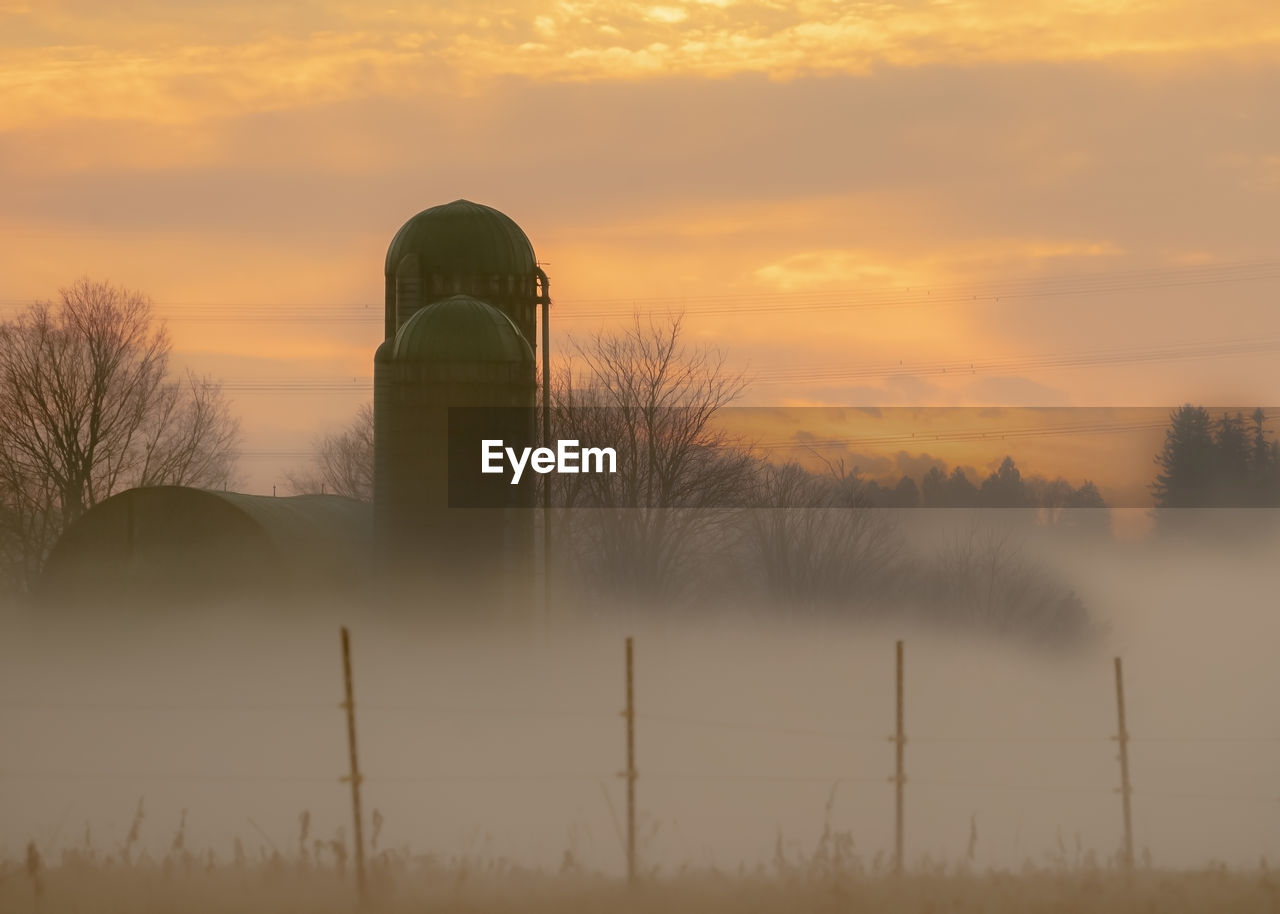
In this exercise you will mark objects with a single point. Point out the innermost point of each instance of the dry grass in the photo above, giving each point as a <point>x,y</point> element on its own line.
<point>319,880</point>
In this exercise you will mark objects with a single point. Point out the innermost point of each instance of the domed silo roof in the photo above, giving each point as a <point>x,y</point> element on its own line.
<point>460,329</point>
<point>463,238</point>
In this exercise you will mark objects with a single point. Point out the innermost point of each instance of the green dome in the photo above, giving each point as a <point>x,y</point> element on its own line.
<point>463,238</point>
<point>460,329</point>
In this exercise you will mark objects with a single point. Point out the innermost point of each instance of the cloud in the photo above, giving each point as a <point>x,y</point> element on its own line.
<point>717,195</point>
<point>139,61</point>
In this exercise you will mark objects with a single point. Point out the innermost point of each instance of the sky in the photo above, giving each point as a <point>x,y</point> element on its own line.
<point>1077,202</point>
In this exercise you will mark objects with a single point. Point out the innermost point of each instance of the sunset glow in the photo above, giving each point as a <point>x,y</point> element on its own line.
<point>815,185</point>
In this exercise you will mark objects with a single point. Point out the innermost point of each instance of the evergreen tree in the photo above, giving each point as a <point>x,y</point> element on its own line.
<point>933,488</point>
<point>1233,471</point>
<point>1187,460</point>
<point>1004,488</point>
<point>1088,512</point>
<point>905,494</point>
<point>1265,466</point>
<point>873,495</point>
<point>1271,481</point>
<point>1087,496</point>
<point>961,493</point>
<point>1261,451</point>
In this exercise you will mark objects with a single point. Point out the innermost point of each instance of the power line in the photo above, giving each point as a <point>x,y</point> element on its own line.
<point>922,439</point>
<point>150,706</point>
<point>97,707</point>
<point>761,728</point>
<point>1266,268</point>
<point>991,785</point>
<point>764,302</point>
<point>524,711</point>
<point>1088,788</point>
<point>1021,363</point>
<point>853,301</point>
<point>527,777</point>
<point>1222,348</point>
<point>157,776</point>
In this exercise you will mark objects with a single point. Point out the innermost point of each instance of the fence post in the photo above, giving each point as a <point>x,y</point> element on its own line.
<point>354,777</point>
<point>899,776</point>
<point>1122,737</point>
<point>630,772</point>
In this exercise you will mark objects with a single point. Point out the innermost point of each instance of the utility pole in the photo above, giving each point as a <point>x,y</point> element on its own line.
<point>899,777</point>
<point>354,777</point>
<point>1126,789</point>
<point>630,772</point>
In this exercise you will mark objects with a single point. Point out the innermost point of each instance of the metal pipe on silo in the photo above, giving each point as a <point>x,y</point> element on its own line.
<point>384,445</point>
<point>546,442</point>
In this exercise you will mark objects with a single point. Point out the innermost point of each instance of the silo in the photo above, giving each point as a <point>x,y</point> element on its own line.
<point>457,371</point>
<point>463,248</point>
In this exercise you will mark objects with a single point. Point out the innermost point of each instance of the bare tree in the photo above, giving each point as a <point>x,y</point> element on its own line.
<point>812,544</point>
<point>29,520</point>
<point>343,464</point>
<point>984,580</point>
<point>654,399</point>
<point>87,408</point>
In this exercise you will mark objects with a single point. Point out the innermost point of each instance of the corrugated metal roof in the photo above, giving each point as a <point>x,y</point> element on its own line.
<point>463,238</point>
<point>308,527</point>
<point>460,329</point>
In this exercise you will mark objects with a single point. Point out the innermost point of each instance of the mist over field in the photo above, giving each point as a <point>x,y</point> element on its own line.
<point>756,728</point>
<point>926,334</point>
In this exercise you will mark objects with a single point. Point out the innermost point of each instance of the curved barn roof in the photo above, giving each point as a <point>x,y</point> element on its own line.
<point>299,524</point>
<point>463,238</point>
<point>178,543</point>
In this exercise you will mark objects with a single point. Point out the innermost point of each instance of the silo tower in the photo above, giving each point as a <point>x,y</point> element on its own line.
<point>457,366</point>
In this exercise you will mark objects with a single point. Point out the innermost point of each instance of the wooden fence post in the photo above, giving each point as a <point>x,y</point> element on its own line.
<point>354,777</point>
<point>630,772</point>
<point>1122,737</point>
<point>899,776</point>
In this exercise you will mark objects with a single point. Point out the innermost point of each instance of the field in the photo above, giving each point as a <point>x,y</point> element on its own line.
<point>491,765</point>
<point>828,879</point>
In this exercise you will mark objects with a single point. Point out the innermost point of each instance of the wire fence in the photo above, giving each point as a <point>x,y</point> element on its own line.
<point>794,746</point>
<point>1102,740</point>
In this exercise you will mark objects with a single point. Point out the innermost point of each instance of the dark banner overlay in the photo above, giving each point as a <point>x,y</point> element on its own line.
<point>893,457</point>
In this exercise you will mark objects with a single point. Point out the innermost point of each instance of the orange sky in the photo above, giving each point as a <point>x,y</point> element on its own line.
<point>1081,200</point>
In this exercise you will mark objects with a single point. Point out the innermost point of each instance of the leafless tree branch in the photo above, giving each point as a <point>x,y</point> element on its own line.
<point>87,408</point>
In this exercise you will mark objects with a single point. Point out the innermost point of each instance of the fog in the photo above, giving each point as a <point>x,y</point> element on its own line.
<point>755,728</point>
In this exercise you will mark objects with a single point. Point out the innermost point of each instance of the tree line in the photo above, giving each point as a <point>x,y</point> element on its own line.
<point>1229,462</point>
<point>1005,487</point>
<point>89,406</point>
